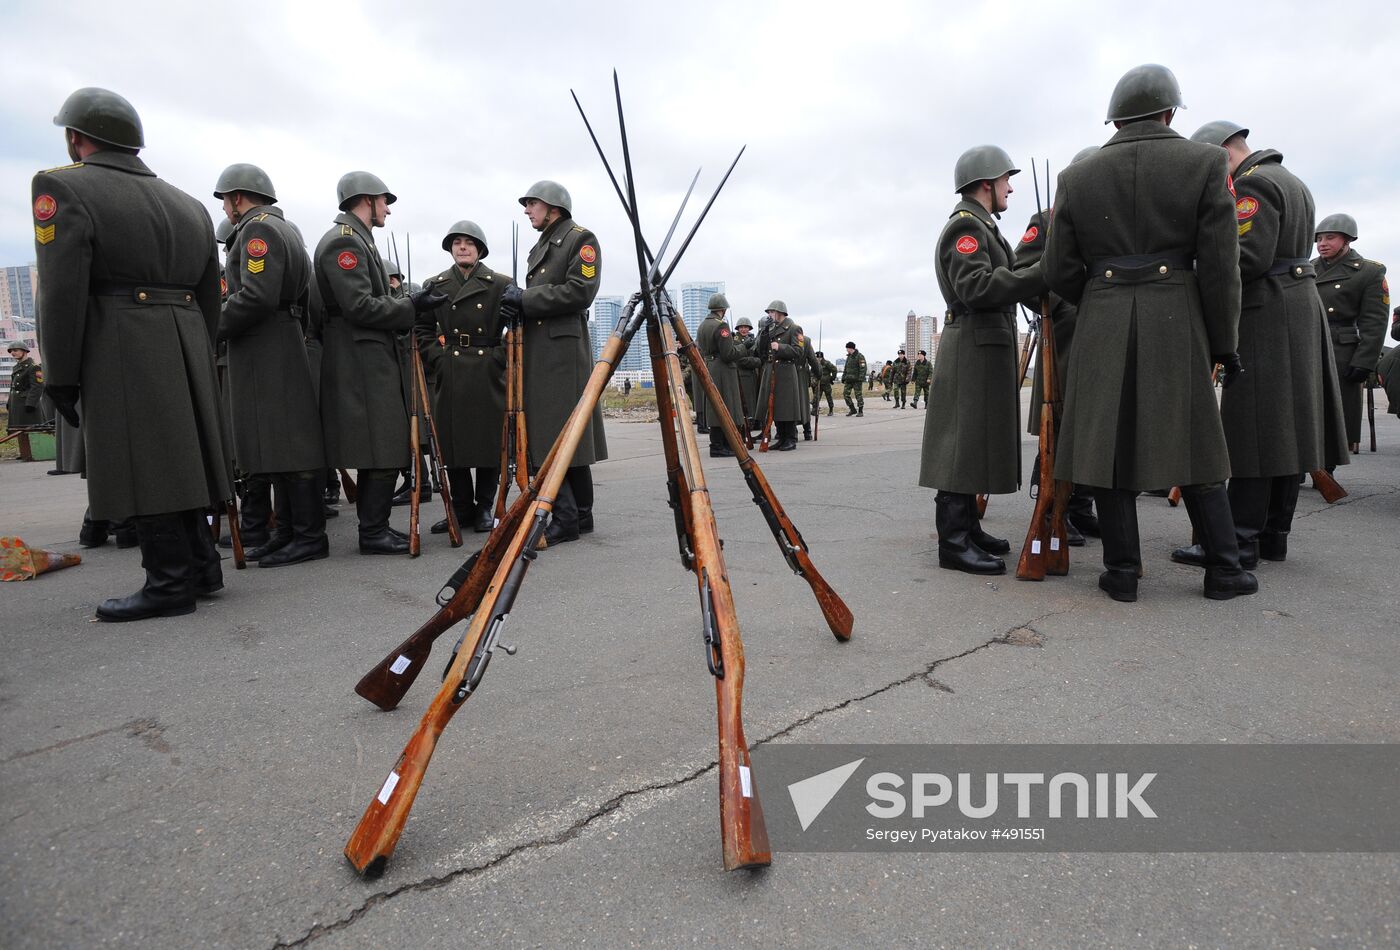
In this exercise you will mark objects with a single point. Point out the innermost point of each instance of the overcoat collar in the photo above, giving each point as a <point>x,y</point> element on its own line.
<point>121,161</point>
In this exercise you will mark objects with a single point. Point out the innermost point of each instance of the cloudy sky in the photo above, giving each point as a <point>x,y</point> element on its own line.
<point>853,115</point>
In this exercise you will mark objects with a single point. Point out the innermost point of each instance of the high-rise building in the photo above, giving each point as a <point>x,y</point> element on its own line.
<point>17,286</point>
<point>636,362</point>
<point>695,302</point>
<point>918,335</point>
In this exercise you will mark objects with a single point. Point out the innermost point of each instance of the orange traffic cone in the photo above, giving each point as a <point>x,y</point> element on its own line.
<point>20,562</point>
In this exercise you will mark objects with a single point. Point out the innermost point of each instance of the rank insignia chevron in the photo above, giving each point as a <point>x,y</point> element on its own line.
<point>589,270</point>
<point>43,235</point>
<point>256,267</point>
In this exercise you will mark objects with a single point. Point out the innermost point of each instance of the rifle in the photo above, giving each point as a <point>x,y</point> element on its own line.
<point>1371,407</point>
<point>772,392</point>
<point>748,418</point>
<point>438,473</point>
<point>514,440</point>
<point>235,533</point>
<point>1046,553</point>
<point>416,456</point>
<point>1331,491</point>
<point>1174,496</point>
<point>347,485</point>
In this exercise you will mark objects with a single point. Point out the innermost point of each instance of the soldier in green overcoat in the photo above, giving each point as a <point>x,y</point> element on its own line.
<point>921,372</point>
<point>808,370</point>
<point>26,388</point>
<point>722,352</point>
<point>275,416</point>
<point>780,343</point>
<point>1356,297</point>
<point>131,331</point>
<point>749,365</point>
<point>972,440</point>
<point>564,268</point>
<point>1284,419</point>
<point>852,379</point>
<point>1144,243</point>
<point>468,368</point>
<point>363,413</point>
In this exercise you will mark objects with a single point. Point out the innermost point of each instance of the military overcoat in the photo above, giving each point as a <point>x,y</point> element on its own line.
<point>469,368</point>
<point>808,368</point>
<point>1130,221</point>
<point>1284,415</point>
<point>750,365</point>
<point>363,414</point>
<point>26,391</point>
<point>1356,298</point>
<point>972,440</point>
<point>722,352</point>
<point>789,400</point>
<point>1062,315</point>
<point>272,399</point>
<point>128,308</point>
<point>564,268</point>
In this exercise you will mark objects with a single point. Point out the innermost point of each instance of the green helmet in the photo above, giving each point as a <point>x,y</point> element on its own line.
<point>719,302</point>
<point>743,322</point>
<point>1343,224</point>
<point>16,345</point>
<point>1083,153</point>
<point>245,177</point>
<point>779,306</point>
<point>1143,91</point>
<point>354,184</point>
<point>981,163</point>
<point>224,231</point>
<point>392,269</point>
<point>102,116</point>
<point>551,193</point>
<point>466,229</point>
<point>1216,133</point>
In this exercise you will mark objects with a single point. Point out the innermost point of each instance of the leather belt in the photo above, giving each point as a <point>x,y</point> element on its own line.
<point>1295,266</point>
<point>959,309</point>
<point>1140,268</point>
<point>466,339</point>
<point>1340,323</point>
<point>149,294</point>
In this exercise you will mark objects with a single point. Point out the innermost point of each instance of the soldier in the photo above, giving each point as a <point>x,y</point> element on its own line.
<point>1140,412</point>
<point>561,282</point>
<point>808,370</point>
<point>722,352</point>
<point>26,388</point>
<point>275,417</point>
<point>781,342</point>
<point>921,372</point>
<point>899,377</point>
<point>363,414</point>
<point>404,496</point>
<point>886,380</point>
<point>851,378</point>
<point>749,365</point>
<point>1356,296</point>
<point>971,445</point>
<point>821,385</point>
<point>1286,419</point>
<point>132,331</point>
<point>468,366</point>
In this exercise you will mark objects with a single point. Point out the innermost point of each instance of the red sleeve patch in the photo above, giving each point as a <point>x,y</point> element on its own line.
<point>347,260</point>
<point>967,244</point>
<point>1031,234</point>
<point>1230,184</point>
<point>588,253</point>
<point>45,207</point>
<point>1246,207</point>
<point>223,287</point>
<point>257,247</point>
<point>724,331</point>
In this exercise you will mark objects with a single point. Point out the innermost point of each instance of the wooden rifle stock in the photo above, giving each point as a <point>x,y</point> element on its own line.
<point>454,530</point>
<point>415,479</point>
<point>347,485</point>
<point>982,505</point>
<point>1331,491</point>
<point>1045,550</point>
<point>772,398</point>
<point>235,534</point>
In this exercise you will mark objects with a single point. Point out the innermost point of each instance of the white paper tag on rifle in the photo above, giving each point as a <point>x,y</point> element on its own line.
<point>401,664</point>
<point>745,781</point>
<point>1035,546</point>
<point>210,519</point>
<point>1054,544</point>
<point>390,784</point>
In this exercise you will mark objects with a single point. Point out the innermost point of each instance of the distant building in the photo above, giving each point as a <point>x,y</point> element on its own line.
<point>918,335</point>
<point>17,289</point>
<point>695,302</point>
<point>636,362</point>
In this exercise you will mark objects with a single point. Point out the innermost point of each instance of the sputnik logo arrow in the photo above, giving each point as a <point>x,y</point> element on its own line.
<point>811,795</point>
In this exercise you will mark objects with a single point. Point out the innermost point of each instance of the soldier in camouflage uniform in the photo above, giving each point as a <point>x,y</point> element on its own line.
<point>1356,296</point>
<point>1144,243</point>
<point>899,377</point>
<point>131,331</point>
<point>722,352</point>
<point>821,385</point>
<point>921,372</point>
<point>886,380</point>
<point>852,377</point>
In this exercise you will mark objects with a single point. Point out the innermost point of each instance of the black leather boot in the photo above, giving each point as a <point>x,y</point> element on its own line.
<point>1080,511</point>
<point>787,436</point>
<point>308,518</point>
<point>563,523</point>
<point>165,555</point>
<point>719,445</point>
<point>1209,508</point>
<point>1283,500</point>
<point>1122,548</point>
<point>281,534</point>
<point>459,480</point>
<point>985,541</point>
<point>206,571</point>
<point>93,534</point>
<point>955,515</point>
<point>580,478</point>
<point>373,503</point>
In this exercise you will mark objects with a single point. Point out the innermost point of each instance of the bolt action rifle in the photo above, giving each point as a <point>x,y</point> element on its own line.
<point>515,465</point>
<point>772,360</point>
<point>1371,406</point>
<point>1331,491</point>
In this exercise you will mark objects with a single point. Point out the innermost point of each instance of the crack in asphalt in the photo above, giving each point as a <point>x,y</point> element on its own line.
<point>1015,635</point>
<point>1351,499</point>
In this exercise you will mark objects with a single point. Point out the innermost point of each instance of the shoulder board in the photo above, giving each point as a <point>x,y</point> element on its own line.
<point>347,231</point>
<point>1251,171</point>
<point>1369,261</point>
<point>60,168</point>
<point>965,214</point>
<point>262,217</point>
<point>578,230</point>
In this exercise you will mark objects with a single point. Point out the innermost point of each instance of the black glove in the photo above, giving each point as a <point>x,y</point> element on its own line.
<point>65,400</point>
<point>427,299</point>
<point>1355,374</point>
<point>514,298</point>
<point>1230,368</point>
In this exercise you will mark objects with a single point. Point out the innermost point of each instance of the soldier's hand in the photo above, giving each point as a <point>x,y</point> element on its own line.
<point>65,400</point>
<point>1355,374</point>
<point>1230,368</point>
<point>428,299</point>
<point>514,298</point>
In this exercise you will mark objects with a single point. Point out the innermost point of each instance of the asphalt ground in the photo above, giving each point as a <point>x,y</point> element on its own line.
<point>192,781</point>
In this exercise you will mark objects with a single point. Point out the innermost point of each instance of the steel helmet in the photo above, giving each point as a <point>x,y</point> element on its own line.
<point>779,306</point>
<point>392,269</point>
<point>743,322</point>
<point>354,184</point>
<point>981,163</point>
<point>102,116</point>
<point>1217,132</point>
<point>245,177</point>
<point>224,231</point>
<point>1144,91</point>
<point>466,229</point>
<point>719,302</point>
<point>1343,224</point>
<point>551,193</point>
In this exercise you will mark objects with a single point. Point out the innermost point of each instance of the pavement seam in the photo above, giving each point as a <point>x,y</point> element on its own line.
<point>1351,499</point>
<point>319,930</point>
